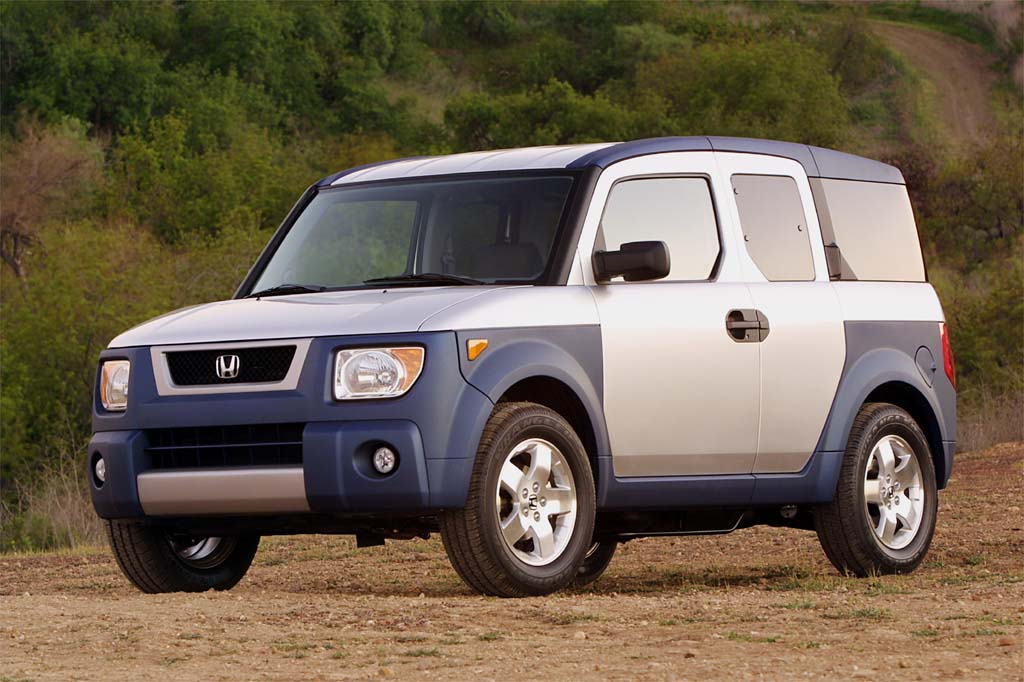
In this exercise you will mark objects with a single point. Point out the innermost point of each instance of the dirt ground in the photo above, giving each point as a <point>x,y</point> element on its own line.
<point>959,72</point>
<point>757,604</point>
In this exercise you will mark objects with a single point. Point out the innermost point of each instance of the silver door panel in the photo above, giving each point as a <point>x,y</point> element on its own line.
<point>680,394</point>
<point>801,364</point>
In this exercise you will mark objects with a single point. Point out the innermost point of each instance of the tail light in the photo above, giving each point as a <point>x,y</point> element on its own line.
<point>947,355</point>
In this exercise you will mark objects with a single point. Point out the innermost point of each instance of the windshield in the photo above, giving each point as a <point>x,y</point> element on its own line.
<point>486,230</point>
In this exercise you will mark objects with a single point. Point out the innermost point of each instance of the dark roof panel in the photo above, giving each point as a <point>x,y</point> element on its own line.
<point>842,166</point>
<point>787,150</point>
<point>605,157</point>
<point>817,162</point>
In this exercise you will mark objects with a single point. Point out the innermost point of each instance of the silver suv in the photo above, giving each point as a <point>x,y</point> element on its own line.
<point>542,353</point>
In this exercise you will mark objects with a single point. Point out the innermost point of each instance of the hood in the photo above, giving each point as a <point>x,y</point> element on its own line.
<point>336,313</point>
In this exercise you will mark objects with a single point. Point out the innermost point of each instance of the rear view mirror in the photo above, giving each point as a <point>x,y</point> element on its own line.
<point>634,262</point>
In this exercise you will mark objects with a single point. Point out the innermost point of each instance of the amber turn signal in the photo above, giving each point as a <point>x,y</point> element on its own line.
<point>474,347</point>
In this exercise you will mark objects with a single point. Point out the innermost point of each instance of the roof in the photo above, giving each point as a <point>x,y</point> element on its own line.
<point>817,162</point>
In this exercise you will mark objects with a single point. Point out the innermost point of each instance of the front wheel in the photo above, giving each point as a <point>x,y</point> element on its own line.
<point>157,560</point>
<point>530,510</point>
<point>883,515</point>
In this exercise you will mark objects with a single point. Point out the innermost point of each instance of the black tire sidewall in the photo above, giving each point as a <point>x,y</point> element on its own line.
<point>224,575</point>
<point>594,566</point>
<point>146,557</point>
<point>894,421</point>
<point>538,422</point>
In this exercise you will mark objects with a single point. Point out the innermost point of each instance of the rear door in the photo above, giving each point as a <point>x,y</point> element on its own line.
<point>680,393</point>
<point>803,347</point>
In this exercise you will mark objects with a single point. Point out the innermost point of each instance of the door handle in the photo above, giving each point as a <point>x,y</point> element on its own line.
<point>746,325</point>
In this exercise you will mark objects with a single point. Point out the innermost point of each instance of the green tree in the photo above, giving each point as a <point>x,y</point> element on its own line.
<point>779,89</point>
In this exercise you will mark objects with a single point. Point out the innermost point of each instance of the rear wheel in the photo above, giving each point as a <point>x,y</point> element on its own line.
<point>156,560</point>
<point>595,562</point>
<point>883,515</point>
<point>529,514</point>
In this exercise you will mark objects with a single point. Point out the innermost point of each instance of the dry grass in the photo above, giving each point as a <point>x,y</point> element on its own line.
<point>991,419</point>
<point>55,513</point>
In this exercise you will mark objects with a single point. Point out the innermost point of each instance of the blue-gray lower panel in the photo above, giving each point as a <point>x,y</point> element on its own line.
<point>339,475</point>
<point>816,484</point>
<point>949,450</point>
<point>671,492</point>
<point>125,457</point>
<point>337,471</point>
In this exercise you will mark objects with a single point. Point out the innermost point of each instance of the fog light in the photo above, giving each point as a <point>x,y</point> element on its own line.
<point>100,468</point>
<point>384,460</point>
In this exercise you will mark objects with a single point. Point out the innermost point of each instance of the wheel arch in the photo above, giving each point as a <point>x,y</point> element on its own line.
<point>909,398</point>
<point>891,376</point>
<point>537,366</point>
<point>557,396</point>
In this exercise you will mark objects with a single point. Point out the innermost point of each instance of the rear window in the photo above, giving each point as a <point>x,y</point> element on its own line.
<point>774,226</point>
<point>873,227</point>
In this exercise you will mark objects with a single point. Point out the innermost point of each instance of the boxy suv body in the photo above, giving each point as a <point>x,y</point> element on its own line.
<point>542,353</point>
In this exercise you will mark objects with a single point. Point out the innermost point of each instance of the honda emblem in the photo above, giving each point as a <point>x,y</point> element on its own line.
<point>228,366</point>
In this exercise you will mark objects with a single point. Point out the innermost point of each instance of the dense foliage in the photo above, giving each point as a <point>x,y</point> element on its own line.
<point>148,149</point>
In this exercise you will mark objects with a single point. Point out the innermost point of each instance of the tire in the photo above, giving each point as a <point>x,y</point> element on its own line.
<point>528,558</point>
<point>595,562</point>
<point>878,525</point>
<point>156,561</point>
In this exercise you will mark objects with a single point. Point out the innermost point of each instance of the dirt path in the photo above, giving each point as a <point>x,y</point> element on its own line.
<point>757,604</point>
<point>959,71</point>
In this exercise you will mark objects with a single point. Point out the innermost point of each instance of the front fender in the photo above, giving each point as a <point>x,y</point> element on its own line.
<point>571,355</point>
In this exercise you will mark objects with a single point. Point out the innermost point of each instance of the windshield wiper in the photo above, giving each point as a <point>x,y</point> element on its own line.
<point>424,278</point>
<point>285,289</point>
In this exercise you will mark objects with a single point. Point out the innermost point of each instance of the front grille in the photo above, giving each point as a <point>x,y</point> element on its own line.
<point>261,364</point>
<point>225,446</point>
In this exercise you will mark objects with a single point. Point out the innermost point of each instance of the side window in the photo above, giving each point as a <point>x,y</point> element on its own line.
<point>677,211</point>
<point>774,226</point>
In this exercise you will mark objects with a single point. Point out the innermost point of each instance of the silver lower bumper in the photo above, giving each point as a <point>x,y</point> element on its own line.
<point>271,490</point>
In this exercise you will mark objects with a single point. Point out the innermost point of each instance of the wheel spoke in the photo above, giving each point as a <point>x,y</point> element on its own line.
<point>540,464</point>
<point>543,538</point>
<point>886,528</point>
<point>559,501</point>
<point>512,479</point>
<point>886,458</point>
<point>906,475</point>
<point>907,514</point>
<point>872,491</point>
<point>513,528</point>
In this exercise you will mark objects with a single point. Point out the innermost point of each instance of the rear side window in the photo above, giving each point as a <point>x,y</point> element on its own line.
<point>677,211</point>
<point>873,226</point>
<point>774,226</point>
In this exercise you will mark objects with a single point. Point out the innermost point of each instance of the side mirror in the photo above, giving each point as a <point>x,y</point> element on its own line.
<point>634,262</point>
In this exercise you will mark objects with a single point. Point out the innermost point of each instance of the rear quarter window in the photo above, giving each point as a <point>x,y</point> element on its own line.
<point>873,225</point>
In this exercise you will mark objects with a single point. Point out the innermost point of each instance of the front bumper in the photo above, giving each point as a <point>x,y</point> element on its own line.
<point>334,477</point>
<point>435,429</point>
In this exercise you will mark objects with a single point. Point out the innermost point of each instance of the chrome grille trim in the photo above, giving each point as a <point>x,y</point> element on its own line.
<point>165,386</point>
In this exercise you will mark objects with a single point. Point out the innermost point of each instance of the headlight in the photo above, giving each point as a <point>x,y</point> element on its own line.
<point>114,384</point>
<point>376,372</point>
